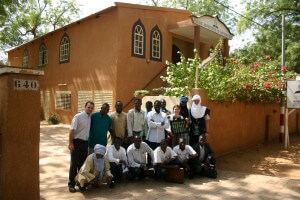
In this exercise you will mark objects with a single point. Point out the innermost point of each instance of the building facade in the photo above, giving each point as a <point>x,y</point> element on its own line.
<point>106,56</point>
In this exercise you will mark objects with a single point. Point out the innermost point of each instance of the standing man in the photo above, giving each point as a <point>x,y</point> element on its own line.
<point>78,142</point>
<point>100,124</point>
<point>136,120</point>
<point>157,123</point>
<point>184,111</point>
<point>149,106</point>
<point>119,124</point>
<point>199,120</point>
<point>139,166</point>
<point>163,107</point>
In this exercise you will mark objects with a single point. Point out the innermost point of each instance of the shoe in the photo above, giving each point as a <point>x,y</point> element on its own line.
<point>125,170</point>
<point>82,188</point>
<point>112,184</point>
<point>72,189</point>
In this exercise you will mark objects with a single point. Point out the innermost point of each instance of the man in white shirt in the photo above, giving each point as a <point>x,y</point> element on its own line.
<point>164,158</point>
<point>157,123</point>
<point>205,163</point>
<point>138,165</point>
<point>185,155</point>
<point>78,142</point>
<point>117,159</point>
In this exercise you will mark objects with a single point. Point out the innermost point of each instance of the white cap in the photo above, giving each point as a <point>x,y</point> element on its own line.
<point>196,97</point>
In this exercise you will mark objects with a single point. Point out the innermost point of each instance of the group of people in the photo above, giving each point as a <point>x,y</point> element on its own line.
<point>144,143</point>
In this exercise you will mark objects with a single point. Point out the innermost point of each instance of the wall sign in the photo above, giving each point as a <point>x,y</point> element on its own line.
<point>293,94</point>
<point>20,84</point>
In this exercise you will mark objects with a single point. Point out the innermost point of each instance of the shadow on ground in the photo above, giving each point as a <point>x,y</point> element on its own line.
<point>232,182</point>
<point>266,159</point>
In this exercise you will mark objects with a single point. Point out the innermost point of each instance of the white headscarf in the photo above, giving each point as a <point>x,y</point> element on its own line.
<point>99,162</point>
<point>197,111</point>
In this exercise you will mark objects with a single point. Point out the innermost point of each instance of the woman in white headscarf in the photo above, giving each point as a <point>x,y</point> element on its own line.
<point>95,169</point>
<point>199,120</point>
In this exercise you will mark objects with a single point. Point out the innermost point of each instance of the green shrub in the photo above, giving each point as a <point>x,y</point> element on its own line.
<point>53,119</point>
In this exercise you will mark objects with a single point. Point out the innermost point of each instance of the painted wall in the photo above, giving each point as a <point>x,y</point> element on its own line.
<point>100,55</point>
<point>135,73</point>
<point>19,139</point>
<point>237,125</point>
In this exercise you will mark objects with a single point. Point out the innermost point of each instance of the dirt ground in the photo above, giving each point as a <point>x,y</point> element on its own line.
<point>266,159</point>
<point>262,172</point>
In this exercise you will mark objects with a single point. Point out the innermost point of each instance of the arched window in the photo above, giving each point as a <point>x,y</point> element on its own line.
<point>156,44</point>
<point>43,55</point>
<point>64,49</point>
<point>25,58</point>
<point>138,39</point>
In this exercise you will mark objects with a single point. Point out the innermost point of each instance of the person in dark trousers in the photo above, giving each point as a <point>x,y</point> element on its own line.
<point>100,124</point>
<point>185,154</point>
<point>139,166</point>
<point>117,159</point>
<point>163,107</point>
<point>149,106</point>
<point>164,158</point>
<point>205,163</point>
<point>78,142</point>
<point>184,111</point>
<point>119,124</point>
<point>200,116</point>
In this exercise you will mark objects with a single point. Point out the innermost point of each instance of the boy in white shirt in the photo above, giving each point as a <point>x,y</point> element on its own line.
<point>117,159</point>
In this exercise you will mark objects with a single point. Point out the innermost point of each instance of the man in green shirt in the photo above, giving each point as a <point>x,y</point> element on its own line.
<point>100,124</point>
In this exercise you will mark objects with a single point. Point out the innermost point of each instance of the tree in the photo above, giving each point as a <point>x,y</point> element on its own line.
<point>267,15</point>
<point>205,7</point>
<point>32,18</point>
<point>261,81</point>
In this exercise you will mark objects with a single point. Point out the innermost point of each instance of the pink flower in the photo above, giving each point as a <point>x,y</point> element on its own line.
<point>268,57</point>
<point>284,68</point>
<point>267,85</point>
<point>234,62</point>
<point>248,87</point>
<point>279,85</point>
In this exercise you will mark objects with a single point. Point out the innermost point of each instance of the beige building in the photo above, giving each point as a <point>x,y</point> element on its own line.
<point>106,56</point>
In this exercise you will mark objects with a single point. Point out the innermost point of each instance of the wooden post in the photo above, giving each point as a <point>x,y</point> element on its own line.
<point>197,39</point>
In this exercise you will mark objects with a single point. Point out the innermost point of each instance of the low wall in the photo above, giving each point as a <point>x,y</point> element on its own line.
<point>238,125</point>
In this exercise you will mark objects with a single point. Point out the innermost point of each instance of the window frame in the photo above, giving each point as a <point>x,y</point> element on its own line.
<point>63,103</point>
<point>59,49</point>
<point>138,23</point>
<point>44,57</point>
<point>27,55</point>
<point>155,29</point>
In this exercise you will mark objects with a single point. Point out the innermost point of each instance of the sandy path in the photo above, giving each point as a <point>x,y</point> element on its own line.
<point>231,183</point>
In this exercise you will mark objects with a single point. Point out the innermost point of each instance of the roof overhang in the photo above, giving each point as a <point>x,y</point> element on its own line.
<point>211,28</point>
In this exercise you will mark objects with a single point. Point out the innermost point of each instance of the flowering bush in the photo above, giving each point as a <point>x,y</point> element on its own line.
<point>262,81</point>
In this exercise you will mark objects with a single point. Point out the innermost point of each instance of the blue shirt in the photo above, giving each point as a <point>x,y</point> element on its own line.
<point>99,126</point>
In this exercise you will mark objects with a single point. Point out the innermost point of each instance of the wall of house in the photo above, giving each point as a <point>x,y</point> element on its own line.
<point>100,56</point>
<point>135,73</point>
<point>92,64</point>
